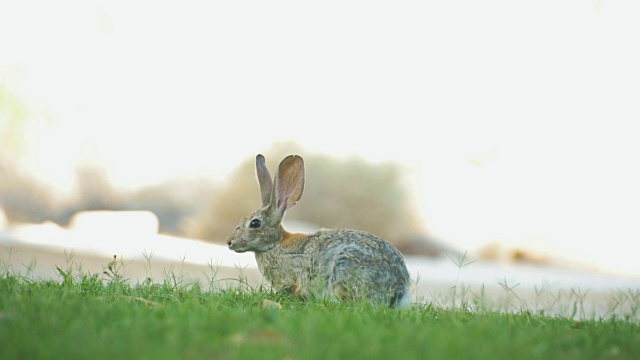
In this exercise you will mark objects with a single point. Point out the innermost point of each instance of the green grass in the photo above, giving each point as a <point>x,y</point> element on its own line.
<point>101,316</point>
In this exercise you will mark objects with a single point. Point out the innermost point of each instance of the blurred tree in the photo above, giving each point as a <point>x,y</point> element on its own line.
<point>22,198</point>
<point>349,193</point>
<point>13,117</point>
<point>18,114</point>
<point>174,202</point>
<point>93,192</point>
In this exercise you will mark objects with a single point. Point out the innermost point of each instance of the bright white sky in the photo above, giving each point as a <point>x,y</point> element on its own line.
<point>517,120</point>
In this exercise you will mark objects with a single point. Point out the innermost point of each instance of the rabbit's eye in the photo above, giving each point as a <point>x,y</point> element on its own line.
<point>255,223</point>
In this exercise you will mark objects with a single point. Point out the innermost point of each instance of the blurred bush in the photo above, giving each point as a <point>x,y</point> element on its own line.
<point>173,201</point>
<point>338,193</point>
<point>22,198</point>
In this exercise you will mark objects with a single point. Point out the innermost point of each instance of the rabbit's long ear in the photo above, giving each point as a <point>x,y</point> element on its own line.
<point>289,184</point>
<point>264,179</point>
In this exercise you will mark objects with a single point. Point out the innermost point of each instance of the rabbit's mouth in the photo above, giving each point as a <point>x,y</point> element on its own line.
<point>235,247</point>
<point>238,245</point>
<point>241,246</point>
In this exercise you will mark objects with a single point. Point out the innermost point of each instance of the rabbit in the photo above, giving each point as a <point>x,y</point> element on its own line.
<point>335,264</point>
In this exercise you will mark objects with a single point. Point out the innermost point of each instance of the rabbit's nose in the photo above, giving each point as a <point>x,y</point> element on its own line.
<point>229,242</point>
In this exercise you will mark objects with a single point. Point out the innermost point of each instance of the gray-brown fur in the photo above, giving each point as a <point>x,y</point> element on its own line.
<point>339,264</point>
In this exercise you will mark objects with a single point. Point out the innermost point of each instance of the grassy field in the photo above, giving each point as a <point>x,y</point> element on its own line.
<point>102,316</point>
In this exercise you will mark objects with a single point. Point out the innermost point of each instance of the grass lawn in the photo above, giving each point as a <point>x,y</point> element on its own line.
<point>84,316</point>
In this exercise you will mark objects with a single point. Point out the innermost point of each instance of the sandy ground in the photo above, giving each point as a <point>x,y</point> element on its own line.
<point>44,261</point>
<point>36,251</point>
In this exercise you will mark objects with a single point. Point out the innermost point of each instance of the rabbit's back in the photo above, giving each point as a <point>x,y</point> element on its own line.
<point>354,264</point>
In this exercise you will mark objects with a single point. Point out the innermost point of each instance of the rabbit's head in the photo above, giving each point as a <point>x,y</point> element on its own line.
<point>262,230</point>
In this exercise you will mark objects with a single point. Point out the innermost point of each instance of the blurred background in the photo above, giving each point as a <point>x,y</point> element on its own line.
<point>506,129</point>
